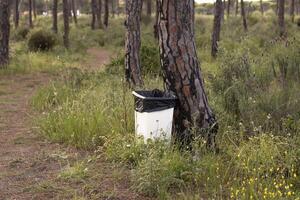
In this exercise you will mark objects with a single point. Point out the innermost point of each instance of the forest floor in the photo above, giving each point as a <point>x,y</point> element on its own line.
<point>33,168</point>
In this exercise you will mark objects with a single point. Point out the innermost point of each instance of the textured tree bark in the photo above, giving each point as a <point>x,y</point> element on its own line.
<point>281,18</point>
<point>66,23</point>
<point>16,14</point>
<point>133,43</point>
<point>34,8</point>
<point>155,27</point>
<point>106,13</point>
<point>261,7</point>
<point>54,16</point>
<point>149,7</point>
<point>243,13</point>
<point>94,13</point>
<point>4,33</point>
<point>74,11</point>
<point>30,13</point>
<point>292,10</point>
<point>216,28</point>
<point>181,71</point>
<point>99,14</point>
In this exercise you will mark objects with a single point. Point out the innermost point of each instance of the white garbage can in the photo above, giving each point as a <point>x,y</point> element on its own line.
<point>154,114</point>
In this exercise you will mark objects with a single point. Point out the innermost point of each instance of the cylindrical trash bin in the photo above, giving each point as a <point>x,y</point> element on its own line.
<point>154,114</point>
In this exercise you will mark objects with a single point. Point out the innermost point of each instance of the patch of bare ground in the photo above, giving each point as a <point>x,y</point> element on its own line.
<point>33,168</point>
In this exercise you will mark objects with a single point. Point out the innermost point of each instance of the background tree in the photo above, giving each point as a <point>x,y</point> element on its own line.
<point>261,7</point>
<point>66,23</point>
<point>99,14</point>
<point>181,69</point>
<point>216,28</point>
<point>236,7</point>
<point>155,27</point>
<point>94,13</point>
<point>281,18</point>
<point>133,43</point>
<point>292,10</point>
<point>54,16</point>
<point>34,8</point>
<point>228,7</point>
<point>16,14</point>
<point>30,13</point>
<point>149,7</point>
<point>243,13</point>
<point>74,11</point>
<point>106,13</point>
<point>4,33</point>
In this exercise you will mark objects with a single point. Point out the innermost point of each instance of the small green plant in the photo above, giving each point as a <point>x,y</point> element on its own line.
<point>41,40</point>
<point>21,33</point>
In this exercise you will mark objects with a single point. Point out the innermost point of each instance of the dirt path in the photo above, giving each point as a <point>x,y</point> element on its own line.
<point>31,167</point>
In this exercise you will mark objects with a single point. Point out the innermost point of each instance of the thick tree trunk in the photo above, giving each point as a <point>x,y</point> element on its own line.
<point>74,11</point>
<point>155,27</point>
<point>34,8</point>
<point>292,10</point>
<point>30,13</point>
<point>106,13</point>
<point>181,71</point>
<point>66,23</point>
<point>228,7</point>
<point>236,7</point>
<point>16,14</point>
<point>216,28</point>
<point>261,7</point>
<point>243,13</point>
<point>54,16</point>
<point>99,14</point>
<point>149,7</point>
<point>281,18</point>
<point>4,33</point>
<point>94,13</point>
<point>133,43</point>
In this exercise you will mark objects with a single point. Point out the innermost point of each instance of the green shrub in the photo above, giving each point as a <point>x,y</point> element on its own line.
<point>41,41</point>
<point>150,60</point>
<point>21,33</point>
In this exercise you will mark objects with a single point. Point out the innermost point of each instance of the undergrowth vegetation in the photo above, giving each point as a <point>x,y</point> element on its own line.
<point>253,86</point>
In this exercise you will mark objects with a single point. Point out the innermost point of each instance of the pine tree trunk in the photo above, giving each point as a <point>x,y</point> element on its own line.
<point>236,7</point>
<point>243,13</point>
<point>133,43</point>
<point>4,33</point>
<point>292,10</point>
<point>155,27</point>
<point>66,23</point>
<point>17,14</point>
<point>34,8</point>
<point>99,14</point>
<point>228,8</point>
<point>113,8</point>
<point>74,11</point>
<point>149,7</point>
<point>181,71</point>
<point>216,28</point>
<point>106,13</point>
<point>30,13</point>
<point>281,18</point>
<point>261,7</point>
<point>54,16</point>
<point>94,12</point>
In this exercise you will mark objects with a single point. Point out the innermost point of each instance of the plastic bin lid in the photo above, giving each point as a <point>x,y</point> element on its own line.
<point>154,100</point>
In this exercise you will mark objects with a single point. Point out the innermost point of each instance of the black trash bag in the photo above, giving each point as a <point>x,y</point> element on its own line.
<point>155,100</point>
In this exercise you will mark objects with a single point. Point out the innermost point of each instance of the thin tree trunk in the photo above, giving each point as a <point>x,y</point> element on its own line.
<point>155,27</point>
<point>4,33</point>
<point>34,8</point>
<point>228,7</point>
<point>149,7</point>
<point>94,12</point>
<point>181,71</point>
<point>292,10</point>
<point>236,7</point>
<point>74,11</point>
<point>113,8</point>
<point>106,13</point>
<point>133,43</point>
<point>118,7</point>
<point>30,13</point>
<point>66,23</point>
<point>17,14</point>
<point>244,15</point>
<point>216,28</point>
<point>99,14</point>
<point>281,18</point>
<point>54,16</point>
<point>261,7</point>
